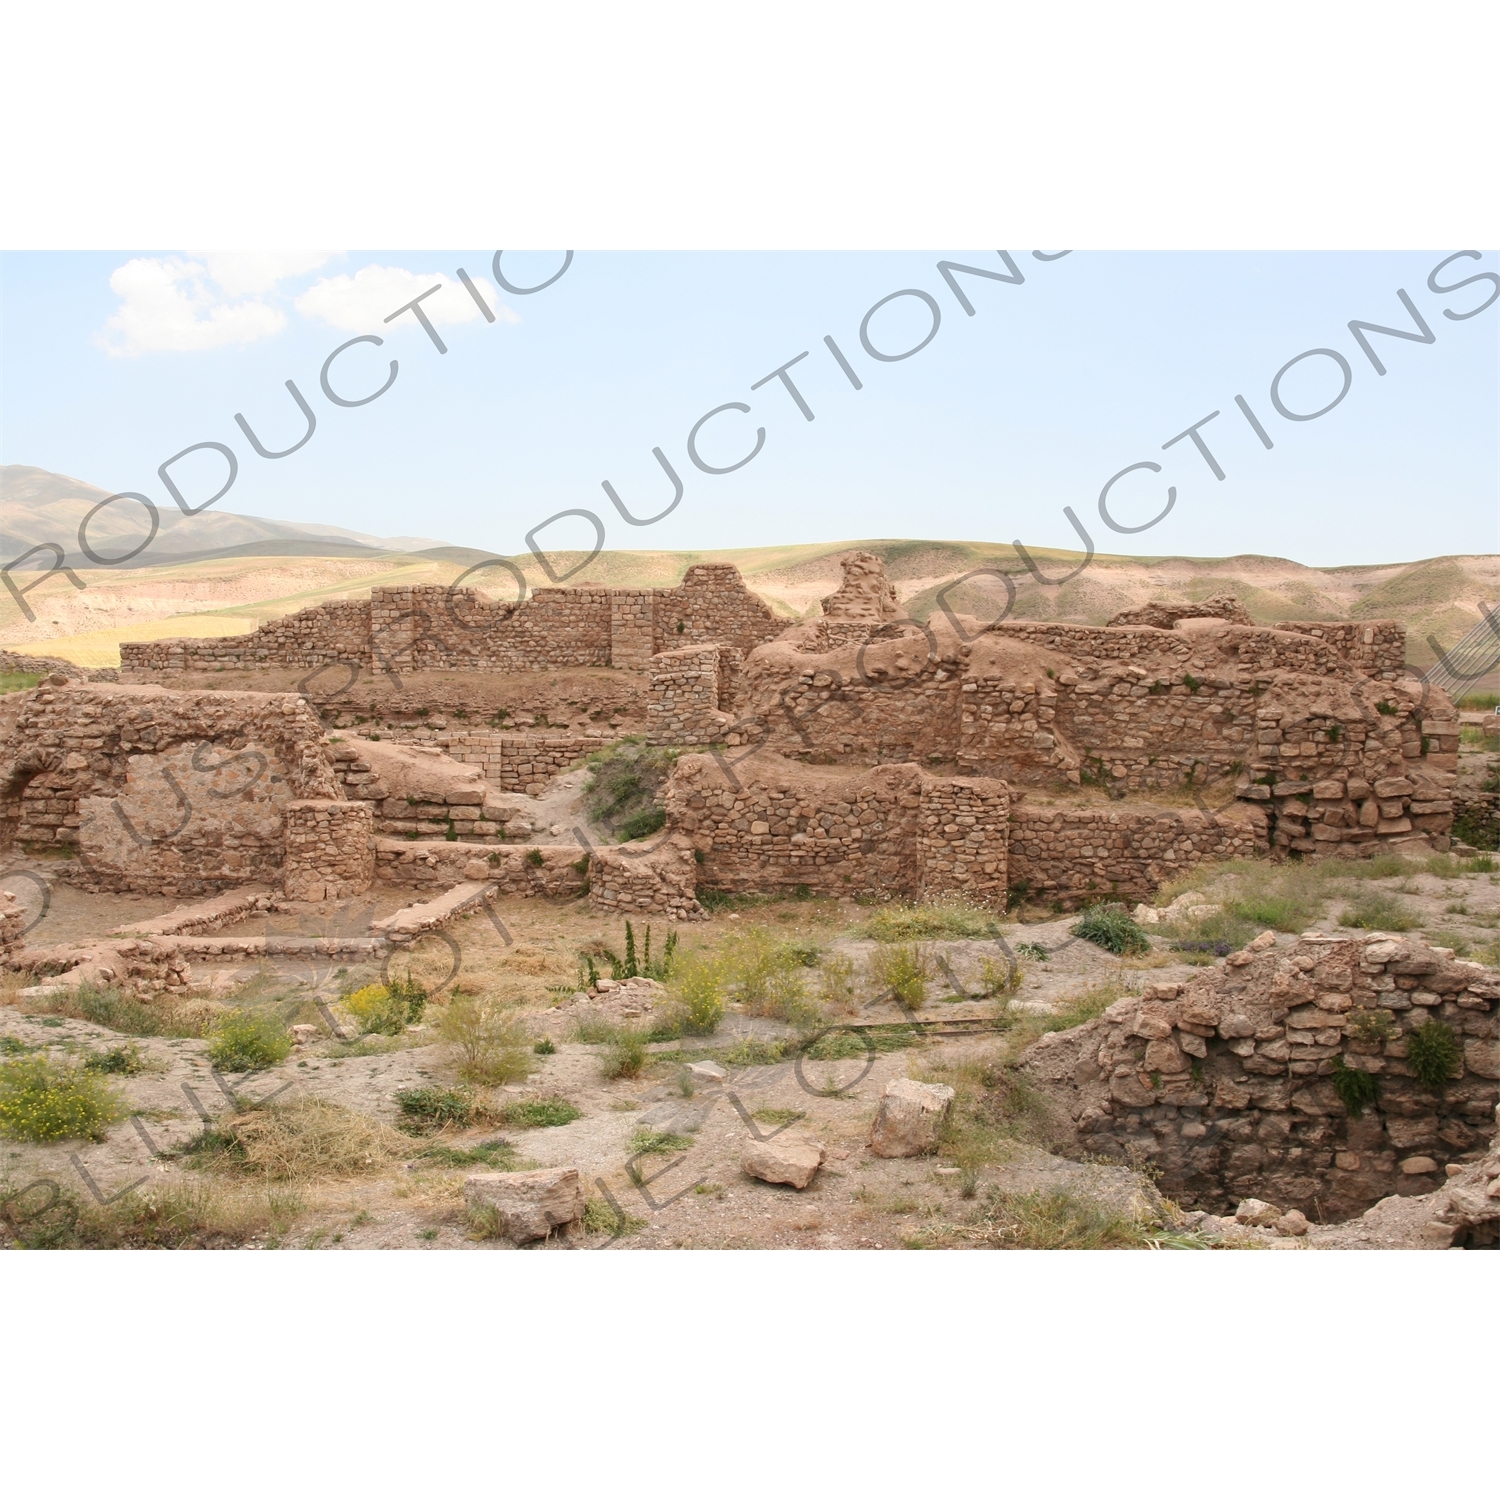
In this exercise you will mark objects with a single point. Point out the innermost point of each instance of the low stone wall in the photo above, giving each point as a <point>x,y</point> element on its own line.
<point>330,850</point>
<point>1076,855</point>
<point>892,830</point>
<point>558,870</point>
<point>1225,1084</point>
<point>1375,647</point>
<point>646,879</point>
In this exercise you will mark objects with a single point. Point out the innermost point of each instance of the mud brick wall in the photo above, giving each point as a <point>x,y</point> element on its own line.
<point>659,879</point>
<point>330,850</point>
<point>1376,647</point>
<point>1075,855</point>
<point>712,604</point>
<point>892,830</point>
<point>1224,1084</point>
<point>563,871</point>
<point>683,697</point>
<point>823,717</point>
<point>310,638</point>
<point>62,745</point>
<point>426,626</point>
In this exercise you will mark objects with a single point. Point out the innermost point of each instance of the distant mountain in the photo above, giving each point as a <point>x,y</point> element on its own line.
<point>39,506</point>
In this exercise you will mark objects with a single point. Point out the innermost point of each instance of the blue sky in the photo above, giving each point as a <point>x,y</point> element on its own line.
<point>1001,420</point>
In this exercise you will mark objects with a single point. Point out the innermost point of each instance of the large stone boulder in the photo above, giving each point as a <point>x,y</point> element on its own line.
<point>910,1118</point>
<point>786,1157</point>
<point>528,1205</point>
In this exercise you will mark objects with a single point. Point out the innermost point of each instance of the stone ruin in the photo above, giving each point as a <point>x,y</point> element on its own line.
<point>857,752</point>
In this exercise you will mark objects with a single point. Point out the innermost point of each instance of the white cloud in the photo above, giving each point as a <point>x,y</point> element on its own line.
<point>361,302</point>
<point>242,273</point>
<point>166,304</point>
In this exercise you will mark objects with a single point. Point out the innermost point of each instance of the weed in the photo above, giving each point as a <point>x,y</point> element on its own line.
<point>902,970</point>
<point>658,1143</point>
<point>127,1059</point>
<point>1056,1220</point>
<point>544,1048</point>
<point>1000,979</point>
<point>1113,929</point>
<point>491,1043</point>
<point>535,857</point>
<point>498,1153</point>
<point>245,1041</point>
<point>1434,1053</point>
<point>1357,1090</point>
<point>600,1217</point>
<point>1379,911</point>
<point>767,975</point>
<point>1034,951</point>
<point>751,1052</point>
<point>779,1116</point>
<point>949,918</point>
<point>431,1108</point>
<point>535,1114</point>
<point>1371,1027</point>
<point>305,1138</point>
<point>625,1052</point>
<point>41,1100</point>
<point>378,1011</point>
<point>624,787</point>
<point>698,995</point>
<point>107,1006</point>
<point>836,982</point>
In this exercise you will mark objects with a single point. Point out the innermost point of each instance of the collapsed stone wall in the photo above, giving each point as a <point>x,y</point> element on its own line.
<point>171,793</point>
<point>891,830</point>
<point>425,627</point>
<point>557,870</point>
<point>1075,855</point>
<point>1225,1084</point>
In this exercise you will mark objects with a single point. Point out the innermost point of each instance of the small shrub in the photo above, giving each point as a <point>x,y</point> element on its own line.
<point>431,1108</point>
<point>1113,929</point>
<point>377,1010</point>
<point>658,1143</point>
<point>245,1041</point>
<point>534,857</point>
<point>1434,1053</point>
<point>1056,1220</point>
<point>498,1153</point>
<point>126,1059</point>
<point>836,982</point>
<point>1033,951</point>
<point>537,1114</point>
<point>1357,1090</point>
<point>599,1217</point>
<point>41,1100</point>
<point>544,1048</point>
<point>1000,979</point>
<point>902,970</point>
<point>1371,1027</point>
<point>642,824</point>
<point>625,1052</point>
<point>491,1043</point>
<point>1379,911</point>
<point>698,995</point>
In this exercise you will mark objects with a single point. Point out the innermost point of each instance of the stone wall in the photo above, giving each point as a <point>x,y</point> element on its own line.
<point>684,699</point>
<point>559,870</point>
<point>892,830</point>
<point>1074,855</point>
<point>173,793</point>
<point>1224,1085</point>
<point>1375,647</point>
<point>427,627</point>
<point>330,851</point>
<point>657,879</point>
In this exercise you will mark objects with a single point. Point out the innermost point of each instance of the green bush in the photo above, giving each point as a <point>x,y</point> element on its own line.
<point>624,788</point>
<point>698,995</point>
<point>41,1100</point>
<point>492,1043</point>
<point>902,970</point>
<point>625,1052</point>
<point>1357,1090</point>
<point>535,1114</point>
<point>378,1011</point>
<point>126,1059</point>
<point>1113,929</point>
<point>244,1041</point>
<point>431,1107</point>
<point>1434,1053</point>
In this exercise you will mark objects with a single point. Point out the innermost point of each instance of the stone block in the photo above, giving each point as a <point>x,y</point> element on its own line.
<point>528,1206</point>
<point>909,1119</point>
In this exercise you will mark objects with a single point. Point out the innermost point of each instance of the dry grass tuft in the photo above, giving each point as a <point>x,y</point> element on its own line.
<point>306,1138</point>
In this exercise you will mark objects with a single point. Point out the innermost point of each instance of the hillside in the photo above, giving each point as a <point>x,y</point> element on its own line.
<point>279,567</point>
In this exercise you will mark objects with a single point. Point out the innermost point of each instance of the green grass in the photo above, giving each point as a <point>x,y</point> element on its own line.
<point>18,682</point>
<point>107,1006</point>
<point>1056,1220</point>
<point>43,1101</point>
<point>1357,1090</point>
<point>623,793</point>
<point>126,1059</point>
<point>779,1116</point>
<point>599,1217</point>
<point>499,1154</point>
